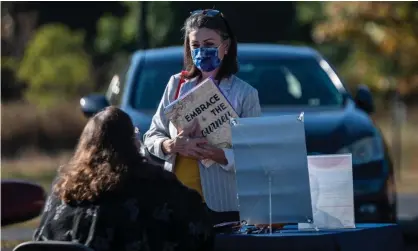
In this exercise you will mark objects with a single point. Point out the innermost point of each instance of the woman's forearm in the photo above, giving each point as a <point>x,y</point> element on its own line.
<point>159,128</point>
<point>155,146</point>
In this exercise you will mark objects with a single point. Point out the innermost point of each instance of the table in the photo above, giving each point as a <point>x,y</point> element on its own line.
<point>370,237</point>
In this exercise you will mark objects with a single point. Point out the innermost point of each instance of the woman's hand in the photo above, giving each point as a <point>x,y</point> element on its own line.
<point>214,153</point>
<point>185,144</point>
<point>196,147</point>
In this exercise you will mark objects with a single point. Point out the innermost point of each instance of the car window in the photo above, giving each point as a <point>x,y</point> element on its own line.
<point>290,82</point>
<point>152,81</point>
<point>285,82</point>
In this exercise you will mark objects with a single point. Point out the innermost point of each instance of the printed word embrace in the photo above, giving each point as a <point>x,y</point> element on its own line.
<point>206,104</point>
<point>217,108</point>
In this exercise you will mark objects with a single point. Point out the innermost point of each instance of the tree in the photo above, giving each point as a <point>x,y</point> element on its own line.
<point>115,34</point>
<point>55,65</point>
<point>382,36</point>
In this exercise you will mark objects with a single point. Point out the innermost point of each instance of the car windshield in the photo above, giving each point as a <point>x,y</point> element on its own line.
<point>284,82</point>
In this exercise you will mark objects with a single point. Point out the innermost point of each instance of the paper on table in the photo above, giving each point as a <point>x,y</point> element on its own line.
<point>271,169</point>
<point>331,182</point>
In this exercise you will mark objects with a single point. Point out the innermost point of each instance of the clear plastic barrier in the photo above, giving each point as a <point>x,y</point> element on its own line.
<point>271,169</point>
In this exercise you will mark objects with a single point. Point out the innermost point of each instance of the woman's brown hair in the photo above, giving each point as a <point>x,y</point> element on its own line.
<point>102,160</point>
<point>219,24</point>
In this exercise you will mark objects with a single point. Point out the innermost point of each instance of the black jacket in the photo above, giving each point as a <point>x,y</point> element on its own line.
<point>150,213</point>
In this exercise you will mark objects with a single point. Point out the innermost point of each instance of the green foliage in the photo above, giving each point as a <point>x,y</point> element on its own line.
<point>55,65</point>
<point>108,30</point>
<point>382,38</point>
<point>159,22</point>
<point>9,63</point>
<point>115,34</point>
<point>130,23</point>
<point>308,12</point>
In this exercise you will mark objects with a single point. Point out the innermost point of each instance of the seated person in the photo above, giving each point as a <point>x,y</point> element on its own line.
<point>109,198</point>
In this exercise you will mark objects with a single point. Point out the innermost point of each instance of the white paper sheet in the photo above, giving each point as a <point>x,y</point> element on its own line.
<point>271,169</point>
<point>331,182</point>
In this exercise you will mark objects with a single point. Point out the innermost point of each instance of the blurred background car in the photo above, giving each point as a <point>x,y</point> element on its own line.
<point>289,79</point>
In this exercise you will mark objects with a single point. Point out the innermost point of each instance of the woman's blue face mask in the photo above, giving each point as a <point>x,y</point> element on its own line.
<point>206,59</point>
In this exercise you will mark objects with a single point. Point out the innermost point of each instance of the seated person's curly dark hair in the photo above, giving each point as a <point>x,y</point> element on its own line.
<point>102,160</point>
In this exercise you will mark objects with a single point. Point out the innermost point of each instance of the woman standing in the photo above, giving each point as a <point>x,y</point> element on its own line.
<point>210,50</point>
